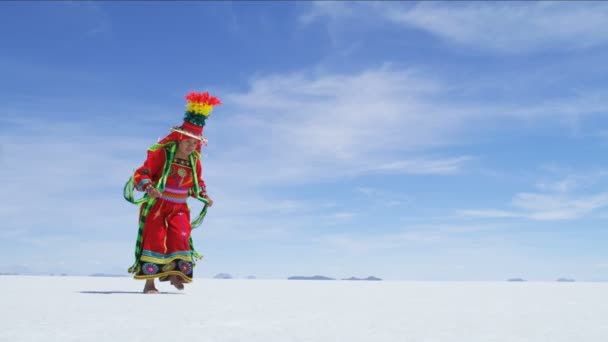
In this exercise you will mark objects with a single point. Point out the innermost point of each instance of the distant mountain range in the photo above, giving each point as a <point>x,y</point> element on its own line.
<point>320,277</point>
<point>108,275</point>
<point>561,280</point>
<point>317,277</point>
<point>228,276</point>
<point>372,278</point>
<point>566,280</point>
<point>222,276</point>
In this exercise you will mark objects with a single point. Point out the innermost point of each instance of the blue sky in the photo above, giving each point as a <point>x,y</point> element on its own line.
<point>413,141</point>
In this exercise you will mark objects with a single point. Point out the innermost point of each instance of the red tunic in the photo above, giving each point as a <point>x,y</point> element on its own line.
<point>166,233</point>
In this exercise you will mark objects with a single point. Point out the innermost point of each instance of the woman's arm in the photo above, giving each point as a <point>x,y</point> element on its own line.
<point>147,174</point>
<point>201,183</point>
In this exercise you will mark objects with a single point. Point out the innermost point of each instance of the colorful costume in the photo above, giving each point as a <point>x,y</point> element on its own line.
<point>164,245</point>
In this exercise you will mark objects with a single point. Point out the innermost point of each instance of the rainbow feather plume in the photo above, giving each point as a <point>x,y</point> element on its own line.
<point>199,107</point>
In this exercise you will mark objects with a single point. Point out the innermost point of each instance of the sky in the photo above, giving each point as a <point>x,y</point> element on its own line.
<point>404,140</point>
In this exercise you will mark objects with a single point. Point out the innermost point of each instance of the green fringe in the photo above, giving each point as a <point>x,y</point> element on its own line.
<point>196,119</point>
<point>129,194</point>
<point>169,145</point>
<point>197,222</point>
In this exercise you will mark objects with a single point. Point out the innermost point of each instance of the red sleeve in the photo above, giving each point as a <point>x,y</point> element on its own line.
<point>149,173</point>
<point>199,173</point>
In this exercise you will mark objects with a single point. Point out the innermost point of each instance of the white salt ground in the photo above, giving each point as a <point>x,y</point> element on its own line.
<point>86,309</point>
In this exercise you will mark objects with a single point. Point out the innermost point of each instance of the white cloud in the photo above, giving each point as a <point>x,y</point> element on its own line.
<point>64,177</point>
<point>500,26</point>
<point>340,216</point>
<point>572,182</point>
<point>333,9</point>
<point>558,207</point>
<point>369,192</point>
<point>255,203</point>
<point>381,198</point>
<point>305,127</point>
<point>561,186</point>
<point>376,197</point>
<point>424,166</point>
<point>488,213</point>
<point>562,109</point>
<point>560,200</point>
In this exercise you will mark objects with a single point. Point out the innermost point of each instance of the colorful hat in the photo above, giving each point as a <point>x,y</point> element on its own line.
<point>199,107</point>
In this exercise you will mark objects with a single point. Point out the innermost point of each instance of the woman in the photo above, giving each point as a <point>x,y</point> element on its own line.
<point>171,173</point>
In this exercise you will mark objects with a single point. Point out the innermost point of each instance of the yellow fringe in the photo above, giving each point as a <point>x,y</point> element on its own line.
<point>146,258</point>
<point>199,108</point>
<point>163,274</point>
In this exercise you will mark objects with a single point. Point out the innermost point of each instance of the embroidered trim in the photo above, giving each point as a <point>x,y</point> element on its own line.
<point>177,190</point>
<point>184,266</point>
<point>164,274</point>
<point>183,162</point>
<point>174,198</point>
<point>174,195</point>
<point>149,268</point>
<point>164,256</point>
<point>146,258</point>
<point>140,185</point>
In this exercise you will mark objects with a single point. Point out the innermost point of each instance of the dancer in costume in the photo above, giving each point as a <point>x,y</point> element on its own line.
<point>171,173</point>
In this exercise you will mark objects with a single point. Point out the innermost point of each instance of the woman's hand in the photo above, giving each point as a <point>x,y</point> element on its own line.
<point>209,200</point>
<point>153,192</point>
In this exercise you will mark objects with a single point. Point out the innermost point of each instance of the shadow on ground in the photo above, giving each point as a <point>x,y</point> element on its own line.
<point>125,292</point>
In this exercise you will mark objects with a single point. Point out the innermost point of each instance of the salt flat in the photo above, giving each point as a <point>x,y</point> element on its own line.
<point>112,309</point>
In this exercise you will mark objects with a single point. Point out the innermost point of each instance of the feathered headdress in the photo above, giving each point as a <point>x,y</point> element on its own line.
<point>198,108</point>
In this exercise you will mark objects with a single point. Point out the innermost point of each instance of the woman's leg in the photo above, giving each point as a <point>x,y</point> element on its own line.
<point>178,240</point>
<point>155,229</point>
<point>153,244</point>
<point>149,288</point>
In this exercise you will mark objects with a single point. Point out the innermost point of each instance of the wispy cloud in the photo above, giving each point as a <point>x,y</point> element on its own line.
<point>573,181</point>
<point>340,216</point>
<point>417,235</point>
<point>64,176</point>
<point>306,127</point>
<point>424,166</point>
<point>383,198</point>
<point>505,27</point>
<point>556,207</point>
<point>489,213</point>
<point>255,203</point>
<point>362,244</point>
<point>560,200</point>
<point>310,126</point>
<point>319,9</point>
